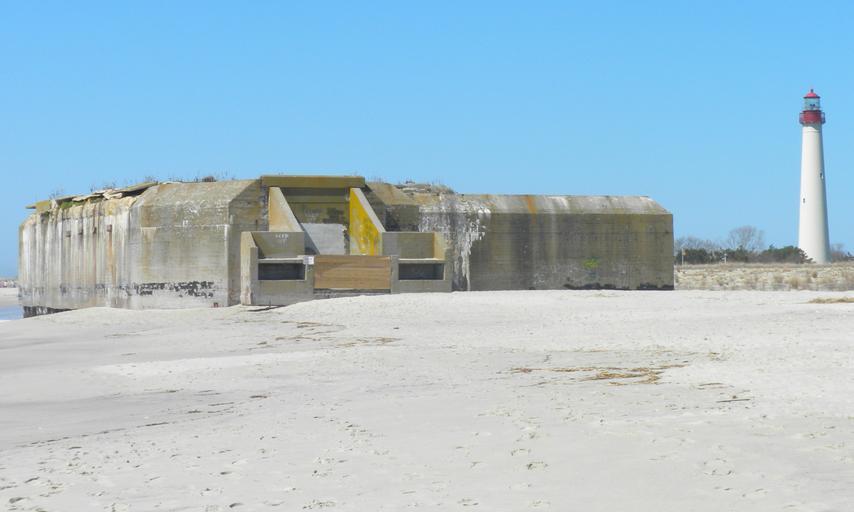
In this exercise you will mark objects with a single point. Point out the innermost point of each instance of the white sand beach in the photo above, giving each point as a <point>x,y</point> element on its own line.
<point>602,401</point>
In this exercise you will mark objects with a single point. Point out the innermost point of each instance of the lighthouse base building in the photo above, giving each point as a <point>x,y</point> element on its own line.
<point>281,239</point>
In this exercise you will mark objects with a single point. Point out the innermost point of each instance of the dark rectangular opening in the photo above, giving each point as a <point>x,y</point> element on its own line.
<point>420,271</point>
<point>281,271</point>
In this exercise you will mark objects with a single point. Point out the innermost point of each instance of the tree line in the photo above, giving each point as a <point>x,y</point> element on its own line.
<point>745,244</point>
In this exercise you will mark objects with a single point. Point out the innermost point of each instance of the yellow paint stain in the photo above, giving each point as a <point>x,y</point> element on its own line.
<point>364,235</point>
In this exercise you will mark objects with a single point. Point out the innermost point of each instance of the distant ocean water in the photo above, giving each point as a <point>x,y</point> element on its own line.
<point>11,313</point>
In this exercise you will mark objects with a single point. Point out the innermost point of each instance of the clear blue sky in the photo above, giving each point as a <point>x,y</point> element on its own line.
<point>692,103</point>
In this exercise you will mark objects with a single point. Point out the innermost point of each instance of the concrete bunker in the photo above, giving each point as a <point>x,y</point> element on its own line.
<point>281,239</point>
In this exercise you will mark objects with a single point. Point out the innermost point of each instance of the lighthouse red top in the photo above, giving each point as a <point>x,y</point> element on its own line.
<point>812,113</point>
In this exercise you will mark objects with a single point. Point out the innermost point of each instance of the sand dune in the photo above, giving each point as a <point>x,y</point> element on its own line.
<point>643,401</point>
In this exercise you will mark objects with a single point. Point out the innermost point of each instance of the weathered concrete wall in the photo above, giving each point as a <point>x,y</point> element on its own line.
<point>175,245</point>
<point>396,210</point>
<point>75,256</point>
<point>553,242</point>
<point>179,244</point>
<point>325,239</point>
<point>408,244</point>
<point>247,211</point>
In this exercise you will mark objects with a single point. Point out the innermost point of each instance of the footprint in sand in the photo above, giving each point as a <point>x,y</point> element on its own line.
<point>756,493</point>
<point>717,467</point>
<point>537,464</point>
<point>317,504</point>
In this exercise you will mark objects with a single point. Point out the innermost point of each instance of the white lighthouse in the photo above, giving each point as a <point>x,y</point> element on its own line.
<point>813,236</point>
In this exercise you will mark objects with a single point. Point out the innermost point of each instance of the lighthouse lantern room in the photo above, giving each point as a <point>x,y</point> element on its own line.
<point>812,113</point>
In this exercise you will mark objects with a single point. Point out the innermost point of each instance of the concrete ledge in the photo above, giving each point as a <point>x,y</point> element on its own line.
<point>274,244</point>
<point>312,181</point>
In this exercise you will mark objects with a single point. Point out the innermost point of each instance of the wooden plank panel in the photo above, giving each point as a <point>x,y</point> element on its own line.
<point>352,272</point>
